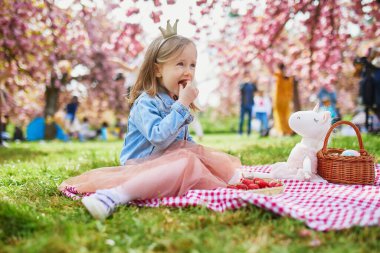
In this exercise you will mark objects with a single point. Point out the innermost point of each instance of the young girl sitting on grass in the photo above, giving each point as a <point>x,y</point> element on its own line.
<point>159,158</point>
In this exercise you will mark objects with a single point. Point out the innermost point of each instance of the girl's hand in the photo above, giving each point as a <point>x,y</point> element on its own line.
<point>187,93</point>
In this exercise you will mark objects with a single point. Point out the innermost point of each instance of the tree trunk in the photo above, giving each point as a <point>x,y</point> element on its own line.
<point>51,107</point>
<point>1,115</point>
<point>3,77</point>
<point>296,97</point>
<point>51,100</point>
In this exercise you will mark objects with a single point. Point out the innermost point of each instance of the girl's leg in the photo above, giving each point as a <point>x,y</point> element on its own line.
<point>174,178</point>
<point>161,181</point>
<point>103,202</point>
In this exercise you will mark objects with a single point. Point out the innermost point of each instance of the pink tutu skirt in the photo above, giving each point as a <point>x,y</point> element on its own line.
<point>182,167</point>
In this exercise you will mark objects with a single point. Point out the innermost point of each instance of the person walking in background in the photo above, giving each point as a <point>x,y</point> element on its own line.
<point>71,109</point>
<point>71,122</point>
<point>247,91</point>
<point>104,131</point>
<point>328,92</point>
<point>282,101</point>
<point>85,132</point>
<point>369,85</point>
<point>4,122</point>
<point>262,111</point>
<point>326,105</point>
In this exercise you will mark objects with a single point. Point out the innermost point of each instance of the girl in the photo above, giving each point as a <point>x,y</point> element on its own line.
<point>159,158</point>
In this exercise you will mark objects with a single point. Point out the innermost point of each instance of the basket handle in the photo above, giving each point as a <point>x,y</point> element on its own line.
<point>358,135</point>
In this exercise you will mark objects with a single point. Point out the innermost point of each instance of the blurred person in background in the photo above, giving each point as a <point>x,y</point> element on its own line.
<point>247,92</point>
<point>262,110</point>
<point>369,84</point>
<point>282,101</point>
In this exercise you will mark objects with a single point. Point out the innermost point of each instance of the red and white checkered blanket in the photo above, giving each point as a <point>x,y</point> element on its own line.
<point>322,206</point>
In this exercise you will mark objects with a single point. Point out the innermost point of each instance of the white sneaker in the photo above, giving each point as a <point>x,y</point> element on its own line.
<point>98,207</point>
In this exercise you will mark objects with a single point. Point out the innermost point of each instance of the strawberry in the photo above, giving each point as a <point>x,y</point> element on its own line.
<point>272,184</point>
<point>253,186</point>
<point>257,180</point>
<point>231,186</point>
<point>242,187</point>
<point>263,184</point>
<point>247,181</point>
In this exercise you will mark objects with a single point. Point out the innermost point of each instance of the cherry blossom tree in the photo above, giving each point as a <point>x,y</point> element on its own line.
<point>315,39</point>
<point>43,43</point>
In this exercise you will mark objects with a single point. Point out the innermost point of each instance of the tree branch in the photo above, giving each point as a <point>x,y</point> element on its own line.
<point>279,30</point>
<point>311,48</point>
<point>332,22</point>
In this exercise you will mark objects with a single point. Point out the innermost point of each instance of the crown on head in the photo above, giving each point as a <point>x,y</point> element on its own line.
<point>170,30</point>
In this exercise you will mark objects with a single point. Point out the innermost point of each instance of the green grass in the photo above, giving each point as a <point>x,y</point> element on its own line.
<point>35,217</point>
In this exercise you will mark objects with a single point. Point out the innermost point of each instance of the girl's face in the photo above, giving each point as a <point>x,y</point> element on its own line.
<point>178,71</point>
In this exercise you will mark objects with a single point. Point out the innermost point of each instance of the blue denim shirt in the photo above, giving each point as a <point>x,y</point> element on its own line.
<point>154,123</point>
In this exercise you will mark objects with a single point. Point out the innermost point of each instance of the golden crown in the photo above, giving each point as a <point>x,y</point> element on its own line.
<point>170,30</point>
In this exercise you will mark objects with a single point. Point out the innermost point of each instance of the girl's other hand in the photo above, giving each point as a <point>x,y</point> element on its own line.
<point>187,93</point>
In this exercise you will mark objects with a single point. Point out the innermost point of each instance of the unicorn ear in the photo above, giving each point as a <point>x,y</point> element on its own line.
<point>316,108</point>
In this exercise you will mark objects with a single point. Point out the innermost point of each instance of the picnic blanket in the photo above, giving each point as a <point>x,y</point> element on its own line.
<point>322,206</point>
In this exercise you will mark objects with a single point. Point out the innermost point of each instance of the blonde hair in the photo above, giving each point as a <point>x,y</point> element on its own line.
<point>159,52</point>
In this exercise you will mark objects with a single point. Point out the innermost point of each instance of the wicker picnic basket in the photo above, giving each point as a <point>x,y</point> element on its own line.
<point>345,169</point>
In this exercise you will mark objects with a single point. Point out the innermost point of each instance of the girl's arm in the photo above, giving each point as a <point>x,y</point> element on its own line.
<point>161,132</point>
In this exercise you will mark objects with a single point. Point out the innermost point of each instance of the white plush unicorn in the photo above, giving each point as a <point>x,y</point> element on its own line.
<point>302,161</point>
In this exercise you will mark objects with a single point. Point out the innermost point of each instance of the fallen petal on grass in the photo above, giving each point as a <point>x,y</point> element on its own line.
<point>304,233</point>
<point>315,243</point>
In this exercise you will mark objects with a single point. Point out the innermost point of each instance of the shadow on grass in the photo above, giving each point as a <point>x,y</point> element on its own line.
<point>258,155</point>
<point>17,221</point>
<point>22,154</point>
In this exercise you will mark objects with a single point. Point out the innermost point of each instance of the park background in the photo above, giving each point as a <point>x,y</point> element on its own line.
<point>51,50</point>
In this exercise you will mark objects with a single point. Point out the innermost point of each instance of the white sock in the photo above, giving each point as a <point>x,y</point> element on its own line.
<point>236,177</point>
<point>116,195</point>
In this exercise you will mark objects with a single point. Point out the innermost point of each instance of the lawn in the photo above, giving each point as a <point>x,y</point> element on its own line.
<point>35,217</point>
